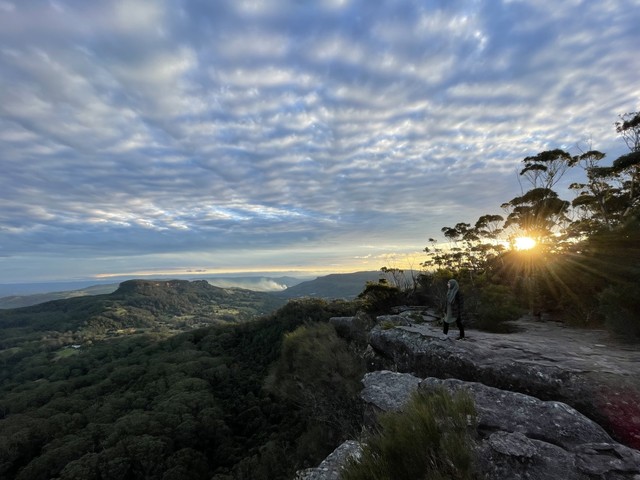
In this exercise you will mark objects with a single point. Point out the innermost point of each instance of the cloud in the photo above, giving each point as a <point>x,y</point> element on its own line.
<point>258,284</point>
<point>142,128</point>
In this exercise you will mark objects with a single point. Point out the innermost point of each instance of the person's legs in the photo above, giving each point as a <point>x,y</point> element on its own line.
<point>460,327</point>
<point>445,328</point>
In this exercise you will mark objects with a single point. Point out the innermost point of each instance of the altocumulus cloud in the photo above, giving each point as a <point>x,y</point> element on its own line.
<point>177,134</point>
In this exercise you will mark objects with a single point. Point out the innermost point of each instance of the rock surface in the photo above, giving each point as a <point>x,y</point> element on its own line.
<point>331,466</point>
<point>520,436</point>
<point>583,368</point>
<point>543,395</point>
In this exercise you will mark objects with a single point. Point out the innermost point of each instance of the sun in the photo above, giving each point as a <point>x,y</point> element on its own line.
<point>524,243</point>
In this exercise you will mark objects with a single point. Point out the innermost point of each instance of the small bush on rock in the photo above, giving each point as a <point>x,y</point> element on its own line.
<point>494,305</point>
<point>430,439</point>
<point>379,297</point>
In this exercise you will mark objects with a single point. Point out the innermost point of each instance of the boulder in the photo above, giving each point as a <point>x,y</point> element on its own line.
<point>388,391</point>
<point>549,398</point>
<point>353,328</point>
<point>417,313</point>
<point>519,436</point>
<point>386,321</point>
<point>499,410</point>
<point>331,466</point>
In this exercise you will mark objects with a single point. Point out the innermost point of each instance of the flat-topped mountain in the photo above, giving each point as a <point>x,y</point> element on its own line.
<point>197,298</point>
<point>137,304</point>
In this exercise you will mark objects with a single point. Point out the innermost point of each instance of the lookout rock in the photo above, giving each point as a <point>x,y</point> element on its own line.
<point>585,369</point>
<point>552,401</point>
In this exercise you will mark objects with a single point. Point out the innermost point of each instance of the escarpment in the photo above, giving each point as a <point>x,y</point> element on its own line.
<point>552,401</point>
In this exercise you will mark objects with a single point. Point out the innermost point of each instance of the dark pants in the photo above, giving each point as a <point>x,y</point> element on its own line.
<point>445,328</point>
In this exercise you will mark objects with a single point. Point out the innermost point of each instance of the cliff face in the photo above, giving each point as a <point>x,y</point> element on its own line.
<point>552,401</point>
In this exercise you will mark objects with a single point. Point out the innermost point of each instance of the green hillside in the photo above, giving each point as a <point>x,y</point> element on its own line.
<point>189,406</point>
<point>335,286</point>
<point>137,305</point>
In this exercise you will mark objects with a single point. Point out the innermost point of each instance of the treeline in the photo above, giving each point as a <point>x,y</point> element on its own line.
<point>585,265</point>
<point>256,400</point>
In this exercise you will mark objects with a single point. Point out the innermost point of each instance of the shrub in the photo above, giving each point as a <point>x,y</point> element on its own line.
<point>379,297</point>
<point>317,372</point>
<point>493,305</point>
<point>620,305</point>
<point>432,287</point>
<point>429,439</point>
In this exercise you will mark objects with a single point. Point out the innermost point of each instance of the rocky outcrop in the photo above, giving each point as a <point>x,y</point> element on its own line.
<point>549,398</point>
<point>353,328</point>
<point>331,466</point>
<point>519,436</point>
<point>545,360</point>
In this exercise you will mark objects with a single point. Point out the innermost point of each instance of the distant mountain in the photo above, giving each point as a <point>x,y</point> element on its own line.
<point>334,286</point>
<point>170,305</point>
<point>25,295</point>
<point>340,285</point>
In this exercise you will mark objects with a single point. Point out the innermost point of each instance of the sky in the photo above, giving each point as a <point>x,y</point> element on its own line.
<point>168,137</point>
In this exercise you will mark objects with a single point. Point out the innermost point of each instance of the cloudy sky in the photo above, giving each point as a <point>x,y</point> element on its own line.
<point>173,136</point>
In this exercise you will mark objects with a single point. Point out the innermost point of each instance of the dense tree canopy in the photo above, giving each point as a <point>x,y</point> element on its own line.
<point>189,406</point>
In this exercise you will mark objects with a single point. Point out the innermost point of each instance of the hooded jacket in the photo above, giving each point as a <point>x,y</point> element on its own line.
<point>454,303</point>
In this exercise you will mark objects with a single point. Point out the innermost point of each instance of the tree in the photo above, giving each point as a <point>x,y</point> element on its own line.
<point>546,168</point>
<point>470,250</point>
<point>489,226</point>
<point>629,165</point>
<point>597,199</point>
<point>539,212</point>
<point>629,129</point>
<point>396,276</point>
<point>320,374</point>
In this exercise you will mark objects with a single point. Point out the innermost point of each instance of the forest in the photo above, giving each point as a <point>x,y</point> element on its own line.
<point>193,405</point>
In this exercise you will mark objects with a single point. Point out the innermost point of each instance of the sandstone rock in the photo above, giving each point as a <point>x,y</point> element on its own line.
<point>417,313</point>
<point>393,320</point>
<point>353,328</point>
<point>551,422</point>
<point>544,360</point>
<point>520,436</point>
<point>524,386</point>
<point>514,456</point>
<point>388,391</point>
<point>331,467</point>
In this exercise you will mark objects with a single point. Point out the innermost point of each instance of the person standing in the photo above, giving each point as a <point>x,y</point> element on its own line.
<point>454,308</point>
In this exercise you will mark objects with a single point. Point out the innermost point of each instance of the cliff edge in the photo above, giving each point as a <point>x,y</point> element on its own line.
<point>552,400</point>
